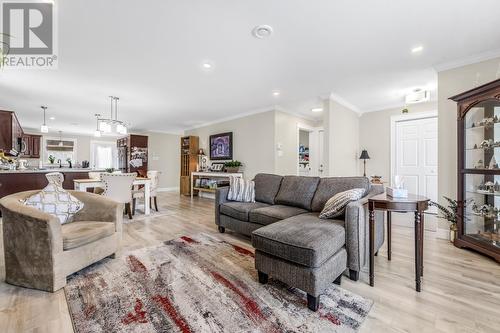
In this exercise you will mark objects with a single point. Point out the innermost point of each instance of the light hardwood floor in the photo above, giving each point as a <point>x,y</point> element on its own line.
<point>461,289</point>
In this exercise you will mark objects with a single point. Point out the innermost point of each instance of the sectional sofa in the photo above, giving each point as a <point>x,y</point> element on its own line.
<point>292,243</point>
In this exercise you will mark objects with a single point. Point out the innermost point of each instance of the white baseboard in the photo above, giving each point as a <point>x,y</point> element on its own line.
<point>443,233</point>
<point>168,189</point>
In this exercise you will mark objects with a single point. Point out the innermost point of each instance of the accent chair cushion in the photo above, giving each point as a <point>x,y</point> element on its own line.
<point>297,191</point>
<point>76,234</point>
<point>271,214</point>
<point>304,239</point>
<point>240,210</point>
<point>54,200</point>
<point>336,205</point>
<point>330,186</point>
<point>241,190</point>
<point>266,187</point>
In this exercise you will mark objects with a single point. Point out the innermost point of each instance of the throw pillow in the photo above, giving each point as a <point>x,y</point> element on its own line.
<point>54,200</point>
<point>335,206</point>
<point>241,190</point>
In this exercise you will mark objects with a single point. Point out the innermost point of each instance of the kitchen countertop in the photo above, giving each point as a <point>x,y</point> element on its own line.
<point>51,170</point>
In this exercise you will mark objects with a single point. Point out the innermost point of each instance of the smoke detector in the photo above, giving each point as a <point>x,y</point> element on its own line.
<point>262,31</point>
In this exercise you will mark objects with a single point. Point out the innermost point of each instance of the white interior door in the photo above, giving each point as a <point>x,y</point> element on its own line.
<point>416,159</point>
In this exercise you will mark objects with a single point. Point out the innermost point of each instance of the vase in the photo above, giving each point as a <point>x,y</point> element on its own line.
<point>453,232</point>
<point>232,169</point>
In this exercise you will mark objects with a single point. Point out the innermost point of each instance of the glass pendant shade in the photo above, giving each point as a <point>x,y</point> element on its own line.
<point>104,127</point>
<point>97,133</point>
<point>44,129</point>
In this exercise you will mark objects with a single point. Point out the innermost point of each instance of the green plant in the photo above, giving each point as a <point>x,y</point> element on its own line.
<point>109,170</point>
<point>52,159</point>
<point>233,164</point>
<point>449,213</point>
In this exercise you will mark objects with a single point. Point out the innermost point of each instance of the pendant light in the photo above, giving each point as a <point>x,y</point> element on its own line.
<point>60,139</point>
<point>112,126</point>
<point>44,128</point>
<point>97,132</point>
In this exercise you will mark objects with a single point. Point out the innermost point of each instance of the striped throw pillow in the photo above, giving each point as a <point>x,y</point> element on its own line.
<point>335,206</point>
<point>241,190</point>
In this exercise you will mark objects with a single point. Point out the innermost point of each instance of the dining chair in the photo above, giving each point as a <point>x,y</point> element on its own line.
<point>96,175</point>
<point>55,177</point>
<point>119,188</point>
<point>153,190</point>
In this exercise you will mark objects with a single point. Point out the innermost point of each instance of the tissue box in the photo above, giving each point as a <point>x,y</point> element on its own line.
<point>397,192</point>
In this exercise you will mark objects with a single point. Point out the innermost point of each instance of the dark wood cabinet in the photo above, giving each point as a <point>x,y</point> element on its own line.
<point>11,132</point>
<point>479,169</point>
<point>31,145</point>
<point>133,147</point>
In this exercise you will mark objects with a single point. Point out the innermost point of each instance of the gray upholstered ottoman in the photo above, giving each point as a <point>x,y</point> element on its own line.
<point>304,252</point>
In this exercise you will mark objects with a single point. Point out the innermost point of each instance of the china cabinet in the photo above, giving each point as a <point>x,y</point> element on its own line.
<point>479,169</point>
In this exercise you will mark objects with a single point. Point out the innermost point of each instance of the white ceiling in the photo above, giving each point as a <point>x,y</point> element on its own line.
<point>149,53</point>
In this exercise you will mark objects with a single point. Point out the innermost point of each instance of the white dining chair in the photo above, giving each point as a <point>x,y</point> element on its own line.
<point>55,177</point>
<point>96,175</point>
<point>139,193</point>
<point>119,188</point>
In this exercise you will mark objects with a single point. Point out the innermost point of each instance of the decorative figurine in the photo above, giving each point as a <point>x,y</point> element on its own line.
<point>490,187</point>
<point>479,164</point>
<point>493,163</point>
<point>475,146</point>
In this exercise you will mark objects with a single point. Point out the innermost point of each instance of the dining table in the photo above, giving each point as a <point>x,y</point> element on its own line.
<point>84,184</point>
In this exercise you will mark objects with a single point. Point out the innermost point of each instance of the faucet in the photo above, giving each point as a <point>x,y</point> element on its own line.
<point>60,164</point>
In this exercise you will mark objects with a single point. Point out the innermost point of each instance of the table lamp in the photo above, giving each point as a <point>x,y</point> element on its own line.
<point>364,156</point>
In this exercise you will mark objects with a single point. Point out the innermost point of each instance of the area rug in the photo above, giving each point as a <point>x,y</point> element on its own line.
<point>199,284</point>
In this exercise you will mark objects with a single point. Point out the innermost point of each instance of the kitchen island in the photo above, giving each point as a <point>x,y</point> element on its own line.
<point>13,181</point>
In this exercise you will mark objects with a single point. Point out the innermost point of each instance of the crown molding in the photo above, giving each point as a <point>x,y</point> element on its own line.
<point>479,57</point>
<point>336,98</point>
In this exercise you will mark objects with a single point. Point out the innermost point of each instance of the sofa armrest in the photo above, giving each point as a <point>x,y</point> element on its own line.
<point>220,198</point>
<point>357,230</point>
<point>98,208</point>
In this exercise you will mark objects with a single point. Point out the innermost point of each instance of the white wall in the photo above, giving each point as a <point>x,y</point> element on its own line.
<point>375,137</point>
<point>342,128</point>
<point>286,126</point>
<point>450,83</point>
<point>253,140</point>
<point>164,155</point>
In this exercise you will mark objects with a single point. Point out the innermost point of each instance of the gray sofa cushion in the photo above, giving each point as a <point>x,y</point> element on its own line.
<point>266,187</point>
<point>240,210</point>
<point>304,239</point>
<point>330,186</point>
<point>297,191</point>
<point>271,214</point>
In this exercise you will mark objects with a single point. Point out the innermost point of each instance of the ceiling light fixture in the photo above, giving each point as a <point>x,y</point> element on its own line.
<point>417,49</point>
<point>44,128</point>
<point>207,65</point>
<point>417,96</point>
<point>276,93</point>
<point>97,132</point>
<point>318,109</point>
<point>61,144</point>
<point>111,125</point>
<point>262,31</point>
<point>52,118</point>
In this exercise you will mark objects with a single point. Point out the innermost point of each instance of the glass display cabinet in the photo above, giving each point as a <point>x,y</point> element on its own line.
<point>479,169</point>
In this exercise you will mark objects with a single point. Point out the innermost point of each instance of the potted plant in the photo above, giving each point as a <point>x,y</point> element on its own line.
<point>232,166</point>
<point>109,170</point>
<point>52,159</point>
<point>450,214</point>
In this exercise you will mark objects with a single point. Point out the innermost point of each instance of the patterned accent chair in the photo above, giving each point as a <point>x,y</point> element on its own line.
<point>40,252</point>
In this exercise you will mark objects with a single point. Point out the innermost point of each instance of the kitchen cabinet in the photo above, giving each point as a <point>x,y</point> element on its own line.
<point>31,145</point>
<point>11,132</point>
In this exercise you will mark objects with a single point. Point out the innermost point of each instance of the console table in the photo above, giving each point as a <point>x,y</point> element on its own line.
<point>210,175</point>
<point>414,203</point>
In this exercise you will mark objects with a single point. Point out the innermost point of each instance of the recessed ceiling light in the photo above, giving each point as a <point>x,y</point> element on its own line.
<point>417,49</point>
<point>317,109</point>
<point>262,31</point>
<point>207,65</point>
<point>52,118</point>
<point>276,93</point>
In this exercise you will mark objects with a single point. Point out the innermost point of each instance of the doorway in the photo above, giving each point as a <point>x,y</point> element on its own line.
<point>414,156</point>
<point>310,151</point>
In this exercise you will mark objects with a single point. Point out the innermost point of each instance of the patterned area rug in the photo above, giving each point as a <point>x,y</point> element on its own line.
<point>199,284</point>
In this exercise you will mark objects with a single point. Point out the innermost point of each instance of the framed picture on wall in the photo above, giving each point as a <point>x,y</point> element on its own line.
<point>221,146</point>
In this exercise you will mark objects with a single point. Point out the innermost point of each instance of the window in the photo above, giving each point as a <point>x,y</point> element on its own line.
<point>103,155</point>
<point>60,148</point>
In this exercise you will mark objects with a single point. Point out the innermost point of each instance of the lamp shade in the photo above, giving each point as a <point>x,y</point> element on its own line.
<point>364,155</point>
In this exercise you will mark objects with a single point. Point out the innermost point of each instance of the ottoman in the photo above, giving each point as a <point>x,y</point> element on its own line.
<point>303,251</point>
